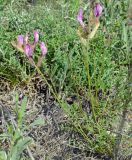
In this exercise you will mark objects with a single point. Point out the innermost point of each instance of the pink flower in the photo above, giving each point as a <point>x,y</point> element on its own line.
<point>80,17</point>
<point>36,36</point>
<point>28,50</point>
<point>20,39</point>
<point>43,48</point>
<point>97,10</point>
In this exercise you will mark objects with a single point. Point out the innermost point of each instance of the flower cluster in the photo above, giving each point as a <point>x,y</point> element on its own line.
<point>23,45</point>
<point>97,10</point>
<point>88,31</point>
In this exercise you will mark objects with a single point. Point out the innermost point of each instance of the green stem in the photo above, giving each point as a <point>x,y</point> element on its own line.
<point>83,134</point>
<point>51,89</point>
<point>86,57</point>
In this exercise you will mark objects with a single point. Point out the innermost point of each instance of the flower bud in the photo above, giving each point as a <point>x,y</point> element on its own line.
<point>36,36</point>
<point>80,17</point>
<point>20,39</point>
<point>43,48</point>
<point>97,10</point>
<point>28,50</point>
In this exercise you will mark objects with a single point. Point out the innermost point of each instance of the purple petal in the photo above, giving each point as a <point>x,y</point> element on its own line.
<point>20,39</point>
<point>28,50</point>
<point>43,48</point>
<point>97,10</point>
<point>80,17</point>
<point>36,36</point>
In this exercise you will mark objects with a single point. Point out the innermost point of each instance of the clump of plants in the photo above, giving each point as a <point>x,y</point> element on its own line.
<point>23,45</point>
<point>81,67</point>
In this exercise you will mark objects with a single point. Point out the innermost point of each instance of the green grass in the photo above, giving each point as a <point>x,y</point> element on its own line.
<point>72,69</point>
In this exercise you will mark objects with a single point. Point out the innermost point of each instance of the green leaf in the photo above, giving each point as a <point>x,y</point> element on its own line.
<point>19,147</point>
<point>3,155</point>
<point>4,135</point>
<point>37,122</point>
<point>22,110</point>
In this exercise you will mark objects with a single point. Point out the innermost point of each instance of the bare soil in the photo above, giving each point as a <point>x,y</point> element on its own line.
<point>53,140</point>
